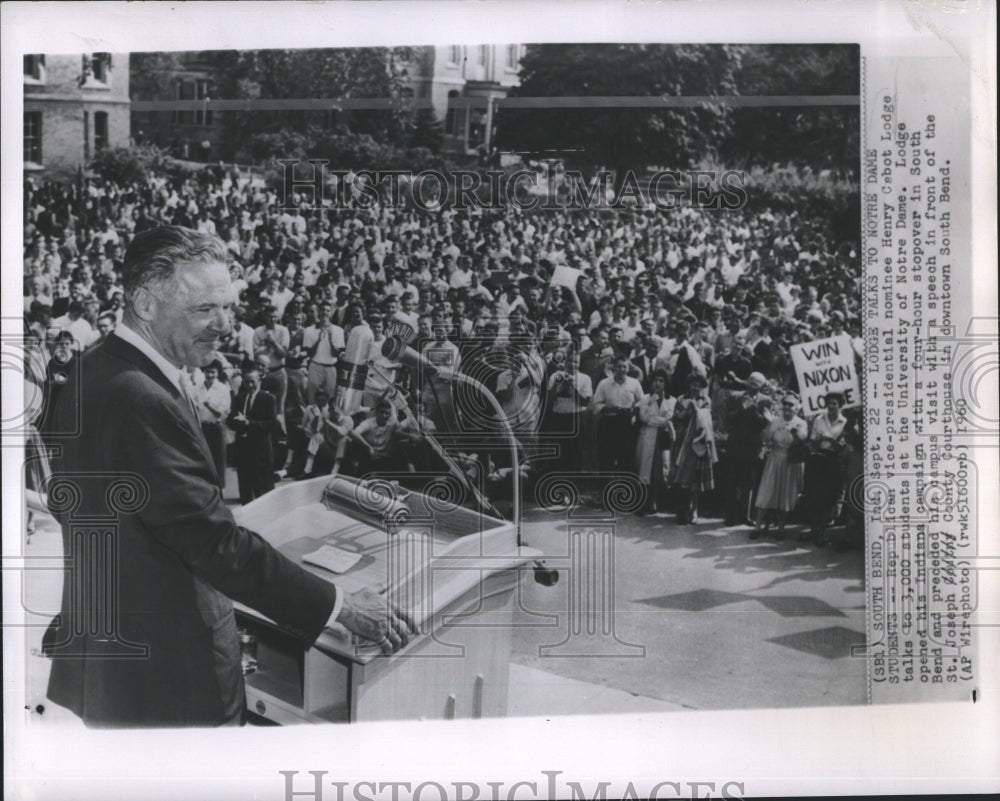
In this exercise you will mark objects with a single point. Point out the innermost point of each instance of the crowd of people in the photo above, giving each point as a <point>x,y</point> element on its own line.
<point>639,341</point>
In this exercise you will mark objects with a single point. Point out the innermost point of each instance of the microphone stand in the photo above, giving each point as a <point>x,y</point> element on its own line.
<point>545,576</point>
<point>394,389</point>
<point>511,444</point>
<point>396,348</point>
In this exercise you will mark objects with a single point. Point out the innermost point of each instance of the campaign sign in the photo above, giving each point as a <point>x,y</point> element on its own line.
<point>566,276</point>
<point>822,366</point>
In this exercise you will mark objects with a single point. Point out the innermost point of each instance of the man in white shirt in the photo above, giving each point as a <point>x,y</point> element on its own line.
<point>273,340</point>
<point>323,342</point>
<point>460,275</point>
<point>278,295</point>
<point>241,335</point>
<point>615,401</point>
<point>74,322</point>
<point>569,394</point>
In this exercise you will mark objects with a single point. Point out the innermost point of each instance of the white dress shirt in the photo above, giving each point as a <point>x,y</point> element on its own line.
<point>625,395</point>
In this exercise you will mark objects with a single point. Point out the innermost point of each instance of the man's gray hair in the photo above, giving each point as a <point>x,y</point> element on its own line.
<point>154,255</point>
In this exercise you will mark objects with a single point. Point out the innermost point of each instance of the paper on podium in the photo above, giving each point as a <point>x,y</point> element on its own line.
<point>334,559</point>
<point>324,540</point>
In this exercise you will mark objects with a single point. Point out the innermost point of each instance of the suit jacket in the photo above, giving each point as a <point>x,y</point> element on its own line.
<point>254,438</point>
<point>646,376</point>
<point>146,635</point>
<point>60,306</point>
<point>762,357</point>
<point>745,442</point>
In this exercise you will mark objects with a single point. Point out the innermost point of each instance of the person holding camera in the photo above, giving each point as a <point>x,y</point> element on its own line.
<point>569,392</point>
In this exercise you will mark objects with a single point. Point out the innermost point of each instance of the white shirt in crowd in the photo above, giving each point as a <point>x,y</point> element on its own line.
<point>328,343</point>
<point>82,331</point>
<point>218,396</point>
<point>244,339</point>
<point>620,396</point>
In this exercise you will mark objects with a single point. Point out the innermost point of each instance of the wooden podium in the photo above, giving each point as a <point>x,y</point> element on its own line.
<point>455,570</point>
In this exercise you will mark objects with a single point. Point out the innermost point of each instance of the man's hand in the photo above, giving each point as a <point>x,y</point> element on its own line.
<point>372,615</point>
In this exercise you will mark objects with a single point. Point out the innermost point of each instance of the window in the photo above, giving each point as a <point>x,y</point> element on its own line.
<point>101,66</point>
<point>200,89</point>
<point>183,90</point>
<point>512,57</point>
<point>100,130</point>
<point>455,54</point>
<point>451,118</point>
<point>96,69</point>
<point>483,54</point>
<point>34,68</point>
<point>32,137</point>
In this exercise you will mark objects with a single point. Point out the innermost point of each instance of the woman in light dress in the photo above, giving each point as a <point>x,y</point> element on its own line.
<point>824,480</point>
<point>656,435</point>
<point>781,480</point>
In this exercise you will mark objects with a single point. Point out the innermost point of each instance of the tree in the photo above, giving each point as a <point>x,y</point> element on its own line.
<point>621,138</point>
<point>363,72</point>
<point>425,131</point>
<point>818,136</point>
<point>129,165</point>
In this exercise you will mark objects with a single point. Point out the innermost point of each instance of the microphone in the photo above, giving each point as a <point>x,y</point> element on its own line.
<point>396,349</point>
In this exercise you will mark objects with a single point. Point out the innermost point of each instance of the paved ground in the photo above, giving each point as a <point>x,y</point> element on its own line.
<point>701,618</point>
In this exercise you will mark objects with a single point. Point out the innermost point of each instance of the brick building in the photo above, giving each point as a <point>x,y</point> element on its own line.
<point>74,106</point>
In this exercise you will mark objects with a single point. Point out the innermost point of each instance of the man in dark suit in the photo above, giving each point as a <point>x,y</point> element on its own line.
<point>253,418</point>
<point>744,449</point>
<point>146,635</point>
<point>650,362</point>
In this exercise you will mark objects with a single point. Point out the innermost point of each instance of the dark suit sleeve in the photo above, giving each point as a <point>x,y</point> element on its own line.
<point>761,360</point>
<point>185,513</point>
<point>265,412</point>
<point>236,408</point>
